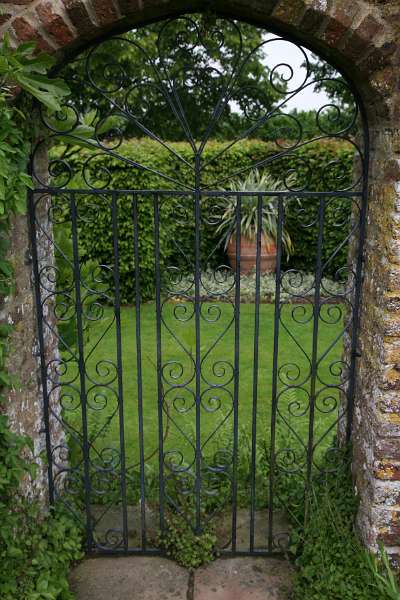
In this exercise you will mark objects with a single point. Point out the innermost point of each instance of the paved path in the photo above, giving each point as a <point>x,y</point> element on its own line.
<point>153,578</point>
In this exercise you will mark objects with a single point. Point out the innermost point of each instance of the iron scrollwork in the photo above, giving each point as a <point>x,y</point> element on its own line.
<point>198,389</point>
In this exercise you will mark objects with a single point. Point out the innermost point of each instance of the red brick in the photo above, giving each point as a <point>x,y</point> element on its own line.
<point>130,6</point>
<point>387,471</point>
<point>345,11</point>
<point>361,41</point>
<point>334,32</point>
<point>390,536</point>
<point>4,18</point>
<point>388,449</point>
<point>26,33</point>
<point>312,20</point>
<point>369,28</point>
<point>289,11</point>
<point>79,15</point>
<point>55,24</point>
<point>340,21</point>
<point>105,11</point>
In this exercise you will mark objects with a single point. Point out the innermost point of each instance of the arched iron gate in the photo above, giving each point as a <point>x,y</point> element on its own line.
<point>198,402</point>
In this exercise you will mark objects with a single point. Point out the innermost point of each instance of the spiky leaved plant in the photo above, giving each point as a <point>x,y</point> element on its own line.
<point>255,181</point>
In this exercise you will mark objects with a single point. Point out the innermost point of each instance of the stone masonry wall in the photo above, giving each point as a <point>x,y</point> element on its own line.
<point>363,39</point>
<point>25,400</point>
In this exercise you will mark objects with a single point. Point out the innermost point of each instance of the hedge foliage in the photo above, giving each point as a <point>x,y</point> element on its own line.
<point>319,166</point>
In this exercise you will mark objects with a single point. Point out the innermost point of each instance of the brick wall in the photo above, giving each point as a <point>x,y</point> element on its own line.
<point>363,39</point>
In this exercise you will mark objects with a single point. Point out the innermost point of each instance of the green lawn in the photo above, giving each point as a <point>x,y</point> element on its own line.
<point>217,352</point>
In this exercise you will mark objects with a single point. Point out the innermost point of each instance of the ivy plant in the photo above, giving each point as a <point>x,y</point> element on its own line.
<point>35,550</point>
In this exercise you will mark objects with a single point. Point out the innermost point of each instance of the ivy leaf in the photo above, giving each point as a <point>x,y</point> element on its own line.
<point>39,64</point>
<point>20,204</point>
<point>27,180</point>
<point>47,91</point>
<point>26,48</point>
<point>5,268</point>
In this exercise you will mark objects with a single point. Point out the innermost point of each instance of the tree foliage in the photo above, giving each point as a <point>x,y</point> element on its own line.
<point>196,57</point>
<point>324,72</point>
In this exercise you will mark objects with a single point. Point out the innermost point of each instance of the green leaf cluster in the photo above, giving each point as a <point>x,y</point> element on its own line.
<point>253,182</point>
<point>187,548</point>
<point>332,564</point>
<point>35,552</point>
<point>35,549</point>
<point>386,579</point>
<point>24,68</point>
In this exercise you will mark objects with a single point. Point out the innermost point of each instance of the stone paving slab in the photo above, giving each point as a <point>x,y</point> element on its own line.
<point>129,578</point>
<point>243,579</point>
<point>154,578</point>
<point>111,519</point>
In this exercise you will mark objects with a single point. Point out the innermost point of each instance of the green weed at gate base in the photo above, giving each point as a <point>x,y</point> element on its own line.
<point>331,562</point>
<point>386,580</point>
<point>188,549</point>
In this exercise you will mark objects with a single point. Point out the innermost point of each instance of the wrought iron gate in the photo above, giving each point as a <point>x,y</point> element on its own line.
<point>206,393</point>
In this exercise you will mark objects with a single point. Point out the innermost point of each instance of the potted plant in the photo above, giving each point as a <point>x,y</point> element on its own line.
<point>254,182</point>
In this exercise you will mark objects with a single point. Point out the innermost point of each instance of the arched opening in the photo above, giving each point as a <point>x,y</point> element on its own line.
<point>197,242</point>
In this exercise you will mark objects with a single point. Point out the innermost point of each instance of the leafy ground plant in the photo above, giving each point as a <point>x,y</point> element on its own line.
<point>294,283</point>
<point>386,580</point>
<point>35,564</point>
<point>187,548</point>
<point>332,563</point>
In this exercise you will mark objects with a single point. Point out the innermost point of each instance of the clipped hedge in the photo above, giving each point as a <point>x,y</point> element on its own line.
<point>324,165</point>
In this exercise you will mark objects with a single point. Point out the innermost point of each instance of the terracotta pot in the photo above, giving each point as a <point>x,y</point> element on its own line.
<point>248,253</point>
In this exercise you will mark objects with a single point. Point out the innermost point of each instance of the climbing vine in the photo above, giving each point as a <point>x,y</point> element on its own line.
<point>35,552</point>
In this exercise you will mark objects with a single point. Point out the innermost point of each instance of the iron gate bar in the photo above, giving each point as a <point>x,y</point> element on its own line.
<point>159,359</point>
<point>316,317</point>
<point>340,246</point>
<point>82,375</point>
<point>197,299</point>
<point>263,120</point>
<point>117,312</point>
<point>274,394</point>
<point>42,346</point>
<point>206,193</point>
<point>236,373</point>
<point>354,352</point>
<point>139,372</point>
<point>72,200</point>
<point>255,371</point>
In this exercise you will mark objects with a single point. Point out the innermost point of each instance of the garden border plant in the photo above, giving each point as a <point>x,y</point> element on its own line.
<point>331,562</point>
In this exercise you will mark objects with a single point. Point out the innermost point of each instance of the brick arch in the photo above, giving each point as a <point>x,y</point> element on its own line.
<point>358,37</point>
<point>351,35</point>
